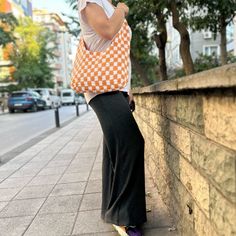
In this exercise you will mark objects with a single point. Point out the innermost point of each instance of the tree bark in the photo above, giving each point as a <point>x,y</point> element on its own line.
<point>223,41</point>
<point>139,69</point>
<point>161,40</point>
<point>185,39</point>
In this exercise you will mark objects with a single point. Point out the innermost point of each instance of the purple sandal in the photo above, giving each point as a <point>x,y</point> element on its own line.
<point>133,231</point>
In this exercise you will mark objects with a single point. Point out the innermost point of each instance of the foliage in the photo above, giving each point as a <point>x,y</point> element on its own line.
<point>207,14</point>
<point>214,15</point>
<point>7,24</point>
<point>206,62</point>
<point>34,49</point>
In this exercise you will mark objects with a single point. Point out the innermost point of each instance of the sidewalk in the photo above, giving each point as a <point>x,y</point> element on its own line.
<point>54,187</point>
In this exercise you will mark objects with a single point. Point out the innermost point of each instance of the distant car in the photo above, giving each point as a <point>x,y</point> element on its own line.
<point>80,99</point>
<point>24,101</point>
<point>67,97</point>
<point>48,95</point>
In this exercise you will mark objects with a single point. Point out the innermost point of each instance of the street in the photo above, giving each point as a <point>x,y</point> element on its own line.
<point>18,128</point>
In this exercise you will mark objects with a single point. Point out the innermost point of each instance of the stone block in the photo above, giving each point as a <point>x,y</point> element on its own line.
<point>222,213</point>
<point>180,138</point>
<point>202,225</point>
<point>190,112</point>
<point>196,185</point>
<point>220,119</point>
<point>172,158</point>
<point>169,107</point>
<point>217,163</point>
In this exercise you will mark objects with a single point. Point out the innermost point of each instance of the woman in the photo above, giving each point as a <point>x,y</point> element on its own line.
<point>123,185</point>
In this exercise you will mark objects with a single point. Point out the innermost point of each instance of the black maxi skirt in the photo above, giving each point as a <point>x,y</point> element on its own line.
<point>123,177</point>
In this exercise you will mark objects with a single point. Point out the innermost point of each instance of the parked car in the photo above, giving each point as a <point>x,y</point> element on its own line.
<point>25,100</point>
<point>67,97</point>
<point>80,98</point>
<point>49,96</point>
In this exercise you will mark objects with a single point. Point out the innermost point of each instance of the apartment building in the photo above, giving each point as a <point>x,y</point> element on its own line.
<point>19,8</point>
<point>202,42</point>
<point>62,63</point>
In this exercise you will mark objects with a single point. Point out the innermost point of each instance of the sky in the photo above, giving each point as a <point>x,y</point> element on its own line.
<point>57,6</point>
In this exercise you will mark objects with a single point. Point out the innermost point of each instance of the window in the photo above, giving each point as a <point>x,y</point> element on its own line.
<point>211,50</point>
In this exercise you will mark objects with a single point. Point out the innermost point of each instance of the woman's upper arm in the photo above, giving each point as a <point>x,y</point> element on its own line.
<point>98,20</point>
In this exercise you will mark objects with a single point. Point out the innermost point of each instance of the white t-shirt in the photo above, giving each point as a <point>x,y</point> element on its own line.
<point>93,41</point>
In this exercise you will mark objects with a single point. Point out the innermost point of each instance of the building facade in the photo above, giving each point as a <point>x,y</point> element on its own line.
<point>202,42</point>
<point>62,63</point>
<point>19,8</point>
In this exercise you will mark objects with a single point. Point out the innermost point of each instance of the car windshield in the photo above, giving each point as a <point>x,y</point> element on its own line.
<point>20,94</point>
<point>41,92</point>
<point>68,94</point>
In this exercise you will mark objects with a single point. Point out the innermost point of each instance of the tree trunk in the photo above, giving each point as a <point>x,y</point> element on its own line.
<point>161,40</point>
<point>139,69</point>
<point>223,42</point>
<point>185,40</point>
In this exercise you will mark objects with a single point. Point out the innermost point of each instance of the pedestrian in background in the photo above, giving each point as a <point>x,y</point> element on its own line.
<point>123,178</point>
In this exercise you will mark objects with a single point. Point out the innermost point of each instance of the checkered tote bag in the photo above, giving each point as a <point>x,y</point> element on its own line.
<point>105,71</point>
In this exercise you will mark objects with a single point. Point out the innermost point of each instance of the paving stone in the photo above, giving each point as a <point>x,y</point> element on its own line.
<point>44,180</point>
<point>15,182</point>
<point>99,234</point>
<point>160,232</point>
<point>74,177</point>
<point>79,168</point>
<point>91,201</point>
<point>5,173</point>
<point>68,189</point>
<point>94,186</point>
<point>51,225</point>
<point>25,173</point>
<point>58,163</point>
<point>96,175</point>
<point>35,192</point>
<point>85,224</point>
<point>52,171</point>
<point>22,207</point>
<point>14,226</point>
<point>63,157</point>
<point>8,194</point>
<point>3,204</point>
<point>61,204</point>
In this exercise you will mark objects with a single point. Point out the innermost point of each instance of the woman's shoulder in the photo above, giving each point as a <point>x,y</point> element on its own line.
<point>82,3</point>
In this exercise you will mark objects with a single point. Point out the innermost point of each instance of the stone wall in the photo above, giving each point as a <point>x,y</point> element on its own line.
<point>189,126</point>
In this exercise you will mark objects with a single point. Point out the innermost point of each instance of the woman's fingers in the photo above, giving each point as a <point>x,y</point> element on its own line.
<point>124,7</point>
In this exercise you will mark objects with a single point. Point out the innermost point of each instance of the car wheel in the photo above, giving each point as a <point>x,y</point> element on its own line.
<point>35,108</point>
<point>11,110</point>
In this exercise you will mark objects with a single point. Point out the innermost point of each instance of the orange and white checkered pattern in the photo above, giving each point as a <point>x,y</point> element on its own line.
<point>105,71</point>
